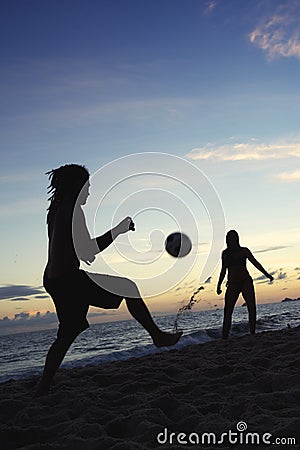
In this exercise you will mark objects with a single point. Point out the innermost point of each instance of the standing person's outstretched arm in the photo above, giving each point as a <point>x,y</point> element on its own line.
<point>257,264</point>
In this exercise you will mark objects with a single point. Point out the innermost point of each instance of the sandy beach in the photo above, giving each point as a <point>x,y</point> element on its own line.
<point>246,387</point>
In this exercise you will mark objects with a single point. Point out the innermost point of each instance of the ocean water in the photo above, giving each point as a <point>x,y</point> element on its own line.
<point>23,354</point>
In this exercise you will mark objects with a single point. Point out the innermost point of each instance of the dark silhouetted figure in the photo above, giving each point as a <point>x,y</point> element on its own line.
<point>234,259</point>
<point>73,289</point>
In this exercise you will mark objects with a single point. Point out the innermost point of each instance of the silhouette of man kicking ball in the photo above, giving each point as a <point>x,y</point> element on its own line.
<point>73,290</point>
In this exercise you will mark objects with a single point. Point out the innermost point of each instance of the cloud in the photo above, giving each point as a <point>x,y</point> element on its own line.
<point>210,6</point>
<point>288,177</point>
<point>71,79</point>
<point>20,299</point>
<point>277,274</point>
<point>14,291</point>
<point>25,315</point>
<point>24,321</point>
<point>245,151</point>
<point>261,278</point>
<point>281,276</point>
<point>271,249</point>
<point>278,35</point>
<point>264,279</point>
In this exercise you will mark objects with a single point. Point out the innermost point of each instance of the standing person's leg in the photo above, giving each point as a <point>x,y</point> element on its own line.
<point>231,296</point>
<point>109,291</point>
<point>249,297</point>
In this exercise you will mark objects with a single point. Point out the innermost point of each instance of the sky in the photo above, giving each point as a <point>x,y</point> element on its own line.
<point>186,114</point>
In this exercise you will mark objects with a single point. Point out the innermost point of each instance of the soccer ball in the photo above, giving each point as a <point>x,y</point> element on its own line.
<point>178,245</point>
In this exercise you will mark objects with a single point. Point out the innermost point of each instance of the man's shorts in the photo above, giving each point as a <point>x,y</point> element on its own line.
<point>72,295</point>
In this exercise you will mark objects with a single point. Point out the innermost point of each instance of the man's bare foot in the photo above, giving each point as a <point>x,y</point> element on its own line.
<point>167,339</point>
